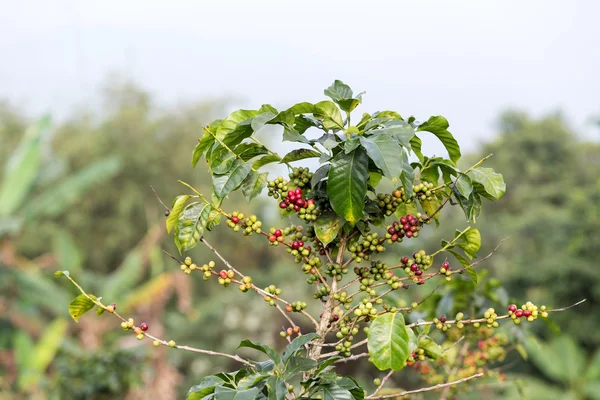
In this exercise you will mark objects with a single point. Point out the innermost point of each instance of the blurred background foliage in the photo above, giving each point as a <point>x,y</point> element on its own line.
<point>77,195</point>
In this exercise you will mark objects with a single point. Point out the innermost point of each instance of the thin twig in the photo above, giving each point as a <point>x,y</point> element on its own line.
<point>161,202</point>
<point>254,287</point>
<point>453,344</point>
<point>566,308</point>
<point>425,389</point>
<point>161,341</point>
<point>383,381</point>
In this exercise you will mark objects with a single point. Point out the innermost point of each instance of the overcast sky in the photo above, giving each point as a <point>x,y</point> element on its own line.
<point>467,60</point>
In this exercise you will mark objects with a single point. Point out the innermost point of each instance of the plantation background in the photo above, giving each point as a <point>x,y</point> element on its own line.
<point>81,200</point>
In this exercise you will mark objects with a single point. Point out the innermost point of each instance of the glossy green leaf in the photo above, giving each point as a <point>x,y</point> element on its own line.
<point>269,351</point>
<point>248,151</point>
<point>431,206</point>
<point>415,145</point>
<point>438,125</point>
<point>190,225</point>
<point>176,210</point>
<point>492,182</point>
<point>398,129</point>
<point>214,219</point>
<point>304,122</point>
<point>261,120</point>
<point>463,185</point>
<point>333,391</point>
<point>268,159</point>
<point>329,115</point>
<point>277,388</point>
<point>320,174</point>
<point>254,184</point>
<point>352,386</point>
<point>22,168</point>
<point>463,261</point>
<point>80,306</point>
<point>338,91</point>
<point>471,242</point>
<point>299,154</point>
<point>225,393</point>
<point>385,152</point>
<point>252,380</point>
<point>293,136</point>
<point>432,349</point>
<point>343,96</point>
<point>227,183</point>
<point>347,184</point>
<point>327,227</point>
<point>352,143</point>
<point>263,366</point>
<point>205,142</point>
<point>388,342</point>
<point>408,176</point>
<point>297,344</point>
<point>228,124</point>
<point>222,163</point>
<point>296,365</point>
<point>412,340</point>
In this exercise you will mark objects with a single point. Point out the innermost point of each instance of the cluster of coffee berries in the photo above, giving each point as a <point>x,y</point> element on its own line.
<point>362,247</point>
<point>277,187</point>
<point>246,284</point>
<point>138,330</point>
<point>367,308</point>
<point>290,332</point>
<point>344,299</point>
<point>491,316</point>
<point>294,200</point>
<point>207,270</point>
<point>408,226</point>
<point>528,310</point>
<point>276,237</point>
<point>423,191</point>
<point>249,225</point>
<point>188,266</point>
<point>296,306</point>
<point>272,290</point>
<point>322,293</point>
<point>225,277</point>
<point>388,203</point>
<point>311,268</point>
<point>417,355</point>
<point>415,266</point>
<point>300,177</point>
<point>336,271</point>
<point>441,322</point>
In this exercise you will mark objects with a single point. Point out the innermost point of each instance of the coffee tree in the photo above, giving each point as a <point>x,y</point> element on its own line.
<point>341,223</point>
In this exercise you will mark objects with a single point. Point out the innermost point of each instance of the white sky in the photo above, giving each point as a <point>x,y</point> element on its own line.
<point>466,60</point>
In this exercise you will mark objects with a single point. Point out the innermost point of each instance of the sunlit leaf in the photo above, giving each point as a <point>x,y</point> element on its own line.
<point>347,184</point>
<point>388,342</point>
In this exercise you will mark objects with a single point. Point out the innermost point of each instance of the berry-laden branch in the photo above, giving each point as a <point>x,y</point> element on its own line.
<point>529,311</point>
<point>425,389</point>
<point>256,288</point>
<point>141,331</point>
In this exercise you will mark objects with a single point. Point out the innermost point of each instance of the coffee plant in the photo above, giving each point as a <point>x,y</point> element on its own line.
<point>341,220</point>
